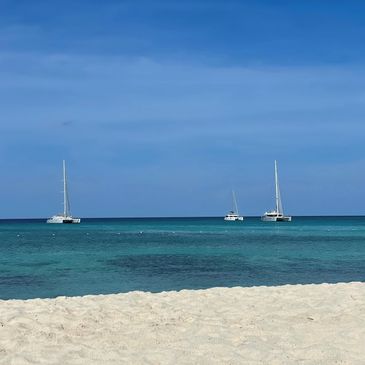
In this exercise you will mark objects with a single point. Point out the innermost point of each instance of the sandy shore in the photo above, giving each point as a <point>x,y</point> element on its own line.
<point>300,324</point>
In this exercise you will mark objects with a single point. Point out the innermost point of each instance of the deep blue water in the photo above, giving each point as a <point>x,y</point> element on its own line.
<point>120,255</point>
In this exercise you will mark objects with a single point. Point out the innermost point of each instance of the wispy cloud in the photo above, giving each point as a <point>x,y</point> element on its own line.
<point>113,90</point>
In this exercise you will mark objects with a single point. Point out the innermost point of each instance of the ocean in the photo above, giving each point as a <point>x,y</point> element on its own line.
<point>103,256</point>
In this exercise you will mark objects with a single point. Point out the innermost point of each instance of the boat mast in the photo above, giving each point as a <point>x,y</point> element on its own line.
<point>65,207</point>
<point>276,188</point>
<point>234,202</point>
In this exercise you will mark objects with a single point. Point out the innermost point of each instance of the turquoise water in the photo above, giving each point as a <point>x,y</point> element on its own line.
<point>119,255</point>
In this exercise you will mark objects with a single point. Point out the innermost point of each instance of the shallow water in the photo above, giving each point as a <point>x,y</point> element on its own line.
<point>120,255</point>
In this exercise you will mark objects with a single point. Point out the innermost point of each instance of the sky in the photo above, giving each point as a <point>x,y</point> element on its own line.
<point>161,108</point>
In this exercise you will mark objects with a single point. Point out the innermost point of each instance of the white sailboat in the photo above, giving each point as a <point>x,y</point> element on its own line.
<point>233,215</point>
<point>276,215</point>
<point>66,217</point>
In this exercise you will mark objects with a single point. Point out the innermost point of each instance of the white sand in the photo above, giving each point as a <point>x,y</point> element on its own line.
<point>301,324</point>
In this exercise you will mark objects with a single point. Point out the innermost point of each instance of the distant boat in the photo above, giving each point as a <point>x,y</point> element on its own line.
<point>233,215</point>
<point>276,215</point>
<point>66,217</point>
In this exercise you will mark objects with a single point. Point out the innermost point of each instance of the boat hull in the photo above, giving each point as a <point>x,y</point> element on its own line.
<point>63,220</point>
<point>275,219</point>
<point>233,219</point>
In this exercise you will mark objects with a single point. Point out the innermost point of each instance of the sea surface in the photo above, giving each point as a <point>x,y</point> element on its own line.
<point>101,256</point>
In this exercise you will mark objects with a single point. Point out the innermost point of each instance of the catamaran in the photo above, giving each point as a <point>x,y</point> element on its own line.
<point>233,215</point>
<point>66,217</point>
<point>276,215</point>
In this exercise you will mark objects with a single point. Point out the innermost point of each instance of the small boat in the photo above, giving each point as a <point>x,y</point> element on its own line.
<point>233,215</point>
<point>276,215</point>
<point>66,217</point>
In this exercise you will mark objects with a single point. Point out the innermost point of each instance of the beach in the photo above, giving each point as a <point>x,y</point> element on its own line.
<point>291,324</point>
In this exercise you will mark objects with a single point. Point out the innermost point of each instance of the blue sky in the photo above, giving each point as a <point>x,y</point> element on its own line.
<point>161,108</point>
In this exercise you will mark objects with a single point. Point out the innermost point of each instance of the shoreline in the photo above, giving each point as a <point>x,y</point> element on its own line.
<point>164,292</point>
<point>291,324</point>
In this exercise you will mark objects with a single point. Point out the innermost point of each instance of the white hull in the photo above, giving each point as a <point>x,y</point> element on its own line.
<point>275,219</point>
<point>63,220</point>
<point>233,218</point>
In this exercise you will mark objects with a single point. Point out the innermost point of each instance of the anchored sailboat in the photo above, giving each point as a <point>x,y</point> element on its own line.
<point>276,215</point>
<point>233,215</point>
<point>66,216</point>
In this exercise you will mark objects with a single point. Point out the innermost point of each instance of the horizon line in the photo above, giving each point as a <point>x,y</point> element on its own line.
<point>189,217</point>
